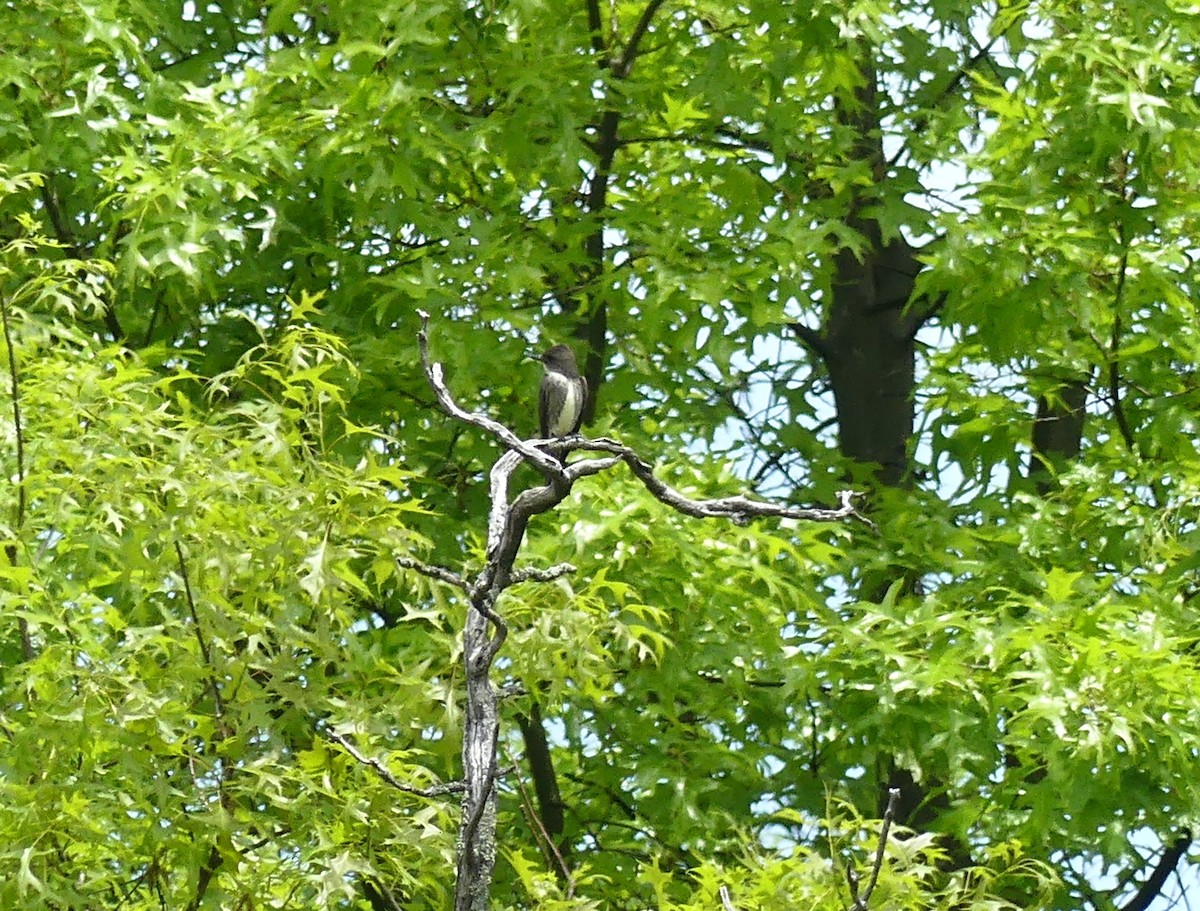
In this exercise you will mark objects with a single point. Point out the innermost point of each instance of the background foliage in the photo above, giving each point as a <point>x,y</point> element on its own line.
<point>942,250</point>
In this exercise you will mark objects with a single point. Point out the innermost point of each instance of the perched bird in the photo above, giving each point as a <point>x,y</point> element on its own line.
<point>561,395</point>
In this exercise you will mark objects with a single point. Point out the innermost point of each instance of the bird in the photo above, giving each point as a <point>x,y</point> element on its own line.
<point>561,394</point>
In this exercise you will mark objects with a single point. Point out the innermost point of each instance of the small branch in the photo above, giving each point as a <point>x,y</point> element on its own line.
<point>440,790</point>
<point>153,322</point>
<point>726,900</point>
<point>727,394</point>
<point>27,650</point>
<point>726,146</point>
<point>65,235</point>
<point>860,901</point>
<point>596,27</point>
<point>19,430</point>
<point>737,508</point>
<point>216,858</point>
<point>433,572</point>
<point>550,850</point>
<point>218,702</point>
<point>888,816</point>
<point>1153,885</point>
<point>549,574</point>
<point>981,54</point>
<point>812,340</point>
<point>625,64</point>
<point>1114,363</point>
<point>922,317</point>
<point>207,871</point>
<point>58,220</point>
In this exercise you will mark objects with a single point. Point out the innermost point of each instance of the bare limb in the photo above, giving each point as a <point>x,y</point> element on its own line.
<point>218,702</point>
<point>726,900</point>
<point>439,790</point>
<point>433,572</point>
<point>1168,861</point>
<point>737,508</point>
<point>860,901</point>
<point>549,574</point>
<point>549,849</point>
<point>596,26</point>
<point>18,428</point>
<point>27,650</point>
<point>625,64</point>
<point>1114,363</point>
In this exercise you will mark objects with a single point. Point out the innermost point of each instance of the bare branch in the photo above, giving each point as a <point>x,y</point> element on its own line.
<point>27,650</point>
<point>737,508</point>
<point>1114,356</point>
<point>433,572</point>
<point>860,901</point>
<point>1153,885</point>
<point>542,837</point>
<point>726,900</point>
<point>214,687</point>
<point>19,430</point>
<point>439,790</point>
<point>625,64</point>
<point>549,574</point>
<point>596,27</point>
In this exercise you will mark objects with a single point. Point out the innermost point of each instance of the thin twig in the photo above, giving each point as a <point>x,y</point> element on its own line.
<point>1114,363</point>
<point>549,849</point>
<point>439,790</point>
<point>27,650</point>
<point>433,572</point>
<point>625,64</point>
<point>726,900</point>
<point>218,702</point>
<point>860,901</point>
<point>19,430</point>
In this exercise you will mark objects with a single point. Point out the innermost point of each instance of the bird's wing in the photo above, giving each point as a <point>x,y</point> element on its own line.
<point>583,397</point>
<point>550,400</point>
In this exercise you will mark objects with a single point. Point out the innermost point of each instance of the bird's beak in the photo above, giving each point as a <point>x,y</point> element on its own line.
<point>531,357</point>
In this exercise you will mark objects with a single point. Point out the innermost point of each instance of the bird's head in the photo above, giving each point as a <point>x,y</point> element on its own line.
<point>559,359</point>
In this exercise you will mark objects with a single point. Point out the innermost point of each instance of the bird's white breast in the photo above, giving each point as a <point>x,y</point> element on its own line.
<point>570,408</point>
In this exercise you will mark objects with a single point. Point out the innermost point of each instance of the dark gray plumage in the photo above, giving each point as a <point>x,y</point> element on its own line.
<point>561,395</point>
